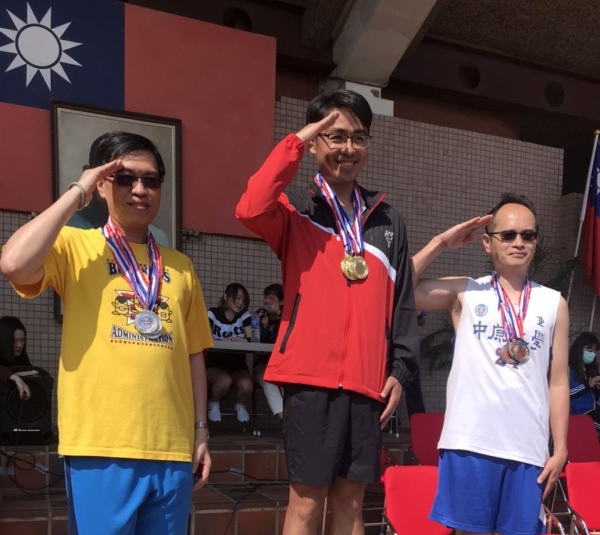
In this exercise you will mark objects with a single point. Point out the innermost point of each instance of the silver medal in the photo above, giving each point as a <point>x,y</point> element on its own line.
<point>148,324</point>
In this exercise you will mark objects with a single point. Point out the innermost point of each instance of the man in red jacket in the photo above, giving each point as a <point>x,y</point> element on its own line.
<point>348,340</point>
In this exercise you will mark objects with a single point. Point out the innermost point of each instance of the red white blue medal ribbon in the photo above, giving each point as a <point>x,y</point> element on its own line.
<point>145,286</point>
<point>351,231</point>
<point>512,322</point>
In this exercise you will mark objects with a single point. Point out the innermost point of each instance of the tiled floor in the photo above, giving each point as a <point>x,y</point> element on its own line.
<point>250,501</point>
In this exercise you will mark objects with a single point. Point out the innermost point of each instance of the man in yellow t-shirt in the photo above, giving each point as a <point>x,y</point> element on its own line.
<point>132,383</point>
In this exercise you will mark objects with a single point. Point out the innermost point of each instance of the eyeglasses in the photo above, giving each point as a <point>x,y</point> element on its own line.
<point>339,141</point>
<point>511,235</point>
<point>127,181</point>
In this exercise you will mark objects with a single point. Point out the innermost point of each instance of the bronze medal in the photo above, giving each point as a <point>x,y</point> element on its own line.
<point>518,350</point>
<point>505,355</point>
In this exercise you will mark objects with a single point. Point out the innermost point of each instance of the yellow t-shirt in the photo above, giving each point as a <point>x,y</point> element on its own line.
<point>121,394</point>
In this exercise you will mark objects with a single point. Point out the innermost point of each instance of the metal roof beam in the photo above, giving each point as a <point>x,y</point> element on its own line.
<point>375,36</point>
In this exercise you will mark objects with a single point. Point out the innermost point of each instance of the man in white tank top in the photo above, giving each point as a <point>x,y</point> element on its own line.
<point>508,387</point>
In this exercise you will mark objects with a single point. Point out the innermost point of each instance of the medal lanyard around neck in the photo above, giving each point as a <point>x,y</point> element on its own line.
<point>512,323</point>
<point>351,231</point>
<point>144,286</point>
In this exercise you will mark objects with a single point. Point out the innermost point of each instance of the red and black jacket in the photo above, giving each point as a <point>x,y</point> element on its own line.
<point>334,333</point>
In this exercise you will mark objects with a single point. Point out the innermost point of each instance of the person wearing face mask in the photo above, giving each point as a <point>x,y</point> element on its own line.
<point>584,378</point>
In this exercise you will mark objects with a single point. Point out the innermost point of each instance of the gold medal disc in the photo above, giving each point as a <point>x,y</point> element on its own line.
<point>360,268</point>
<point>346,266</point>
<point>354,268</point>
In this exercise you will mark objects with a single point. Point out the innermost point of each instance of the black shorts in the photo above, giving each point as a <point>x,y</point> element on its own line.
<point>229,362</point>
<point>331,433</point>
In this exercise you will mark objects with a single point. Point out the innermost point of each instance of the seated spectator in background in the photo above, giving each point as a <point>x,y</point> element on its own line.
<point>270,313</point>
<point>229,321</point>
<point>270,319</point>
<point>13,339</point>
<point>584,378</point>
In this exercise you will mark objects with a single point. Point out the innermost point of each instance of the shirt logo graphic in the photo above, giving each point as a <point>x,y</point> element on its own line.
<point>389,236</point>
<point>481,310</point>
<point>126,304</point>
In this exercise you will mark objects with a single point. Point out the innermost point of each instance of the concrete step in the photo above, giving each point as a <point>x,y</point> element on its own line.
<point>247,492</point>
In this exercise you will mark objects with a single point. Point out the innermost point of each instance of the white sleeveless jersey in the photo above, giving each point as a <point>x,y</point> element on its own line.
<point>494,408</point>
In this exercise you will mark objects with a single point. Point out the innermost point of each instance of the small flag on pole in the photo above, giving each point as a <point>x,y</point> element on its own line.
<point>591,226</point>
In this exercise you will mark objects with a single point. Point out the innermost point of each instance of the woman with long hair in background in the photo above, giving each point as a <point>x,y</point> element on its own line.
<point>13,352</point>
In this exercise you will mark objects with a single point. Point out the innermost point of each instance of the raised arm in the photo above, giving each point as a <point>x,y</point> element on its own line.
<point>24,253</point>
<point>453,238</point>
<point>558,391</point>
<point>260,208</point>
<point>441,294</point>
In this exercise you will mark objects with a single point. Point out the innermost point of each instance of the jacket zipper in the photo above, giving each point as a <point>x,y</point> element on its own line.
<point>290,326</point>
<point>369,211</point>
<point>345,337</point>
<point>348,285</point>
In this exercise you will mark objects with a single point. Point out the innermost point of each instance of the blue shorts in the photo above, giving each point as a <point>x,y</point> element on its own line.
<point>109,496</point>
<point>482,494</point>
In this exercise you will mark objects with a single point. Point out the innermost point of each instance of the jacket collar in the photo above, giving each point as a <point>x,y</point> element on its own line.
<point>370,198</point>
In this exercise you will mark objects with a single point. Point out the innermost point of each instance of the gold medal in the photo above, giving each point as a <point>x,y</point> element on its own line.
<point>360,268</point>
<point>354,268</point>
<point>345,265</point>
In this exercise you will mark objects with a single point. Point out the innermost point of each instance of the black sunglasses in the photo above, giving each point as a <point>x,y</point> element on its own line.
<point>511,235</point>
<point>149,182</point>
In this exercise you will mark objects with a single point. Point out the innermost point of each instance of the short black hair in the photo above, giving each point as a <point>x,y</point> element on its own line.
<point>342,99</point>
<point>511,198</point>
<point>274,289</point>
<point>113,145</point>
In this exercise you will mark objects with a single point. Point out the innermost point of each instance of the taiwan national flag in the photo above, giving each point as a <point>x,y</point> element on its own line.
<point>119,57</point>
<point>68,50</point>
<point>591,228</point>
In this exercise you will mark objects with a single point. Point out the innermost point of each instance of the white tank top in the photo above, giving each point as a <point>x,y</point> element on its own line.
<point>494,408</point>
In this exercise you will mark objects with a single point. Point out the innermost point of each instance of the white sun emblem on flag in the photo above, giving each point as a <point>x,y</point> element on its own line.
<point>38,46</point>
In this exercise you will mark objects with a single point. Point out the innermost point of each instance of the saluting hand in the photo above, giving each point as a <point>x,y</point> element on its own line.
<point>463,233</point>
<point>310,131</point>
<point>91,177</point>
